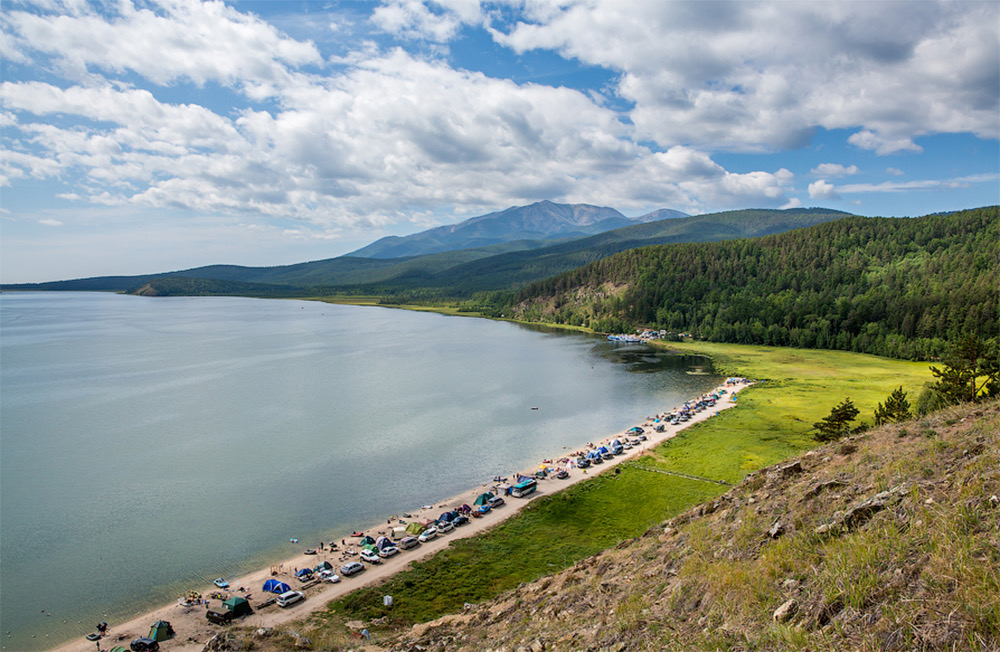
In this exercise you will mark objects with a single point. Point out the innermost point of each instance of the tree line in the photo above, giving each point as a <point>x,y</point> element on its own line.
<point>897,287</point>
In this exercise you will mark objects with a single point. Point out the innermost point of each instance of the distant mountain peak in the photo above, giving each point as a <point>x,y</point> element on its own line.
<point>542,220</point>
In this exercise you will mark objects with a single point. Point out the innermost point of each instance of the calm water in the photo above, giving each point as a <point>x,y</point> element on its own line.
<point>150,445</point>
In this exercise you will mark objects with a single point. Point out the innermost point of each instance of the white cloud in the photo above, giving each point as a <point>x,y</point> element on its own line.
<point>822,189</point>
<point>762,75</point>
<point>926,184</point>
<point>170,41</point>
<point>880,145</point>
<point>50,222</point>
<point>834,170</point>
<point>896,172</point>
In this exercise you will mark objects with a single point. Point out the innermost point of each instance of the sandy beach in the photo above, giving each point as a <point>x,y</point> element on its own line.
<point>193,630</point>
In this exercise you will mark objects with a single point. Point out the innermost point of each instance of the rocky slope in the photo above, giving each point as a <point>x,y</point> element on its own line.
<point>886,541</point>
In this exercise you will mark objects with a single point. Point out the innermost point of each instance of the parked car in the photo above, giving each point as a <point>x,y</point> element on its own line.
<point>144,644</point>
<point>608,456</point>
<point>388,551</point>
<point>289,598</point>
<point>370,557</point>
<point>444,527</point>
<point>483,509</point>
<point>461,519</point>
<point>427,535</point>
<point>409,542</point>
<point>351,568</point>
<point>562,474</point>
<point>496,501</point>
<point>328,576</point>
<point>583,462</point>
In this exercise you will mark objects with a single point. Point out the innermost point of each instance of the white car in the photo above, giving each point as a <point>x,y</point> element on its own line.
<point>289,598</point>
<point>409,542</point>
<point>370,557</point>
<point>427,535</point>
<point>388,551</point>
<point>496,501</point>
<point>328,576</point>
<point>444,527</point>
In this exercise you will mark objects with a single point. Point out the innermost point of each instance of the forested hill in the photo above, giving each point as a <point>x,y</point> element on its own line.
<point>888,286</point>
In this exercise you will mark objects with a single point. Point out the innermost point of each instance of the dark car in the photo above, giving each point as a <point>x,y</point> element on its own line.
<point>143,644</point>
<point>218,617</point>
<point>562,474</point>
<point>462,519</point>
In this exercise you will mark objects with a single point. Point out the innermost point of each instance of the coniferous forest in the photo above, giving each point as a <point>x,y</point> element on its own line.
<point>898,287</point>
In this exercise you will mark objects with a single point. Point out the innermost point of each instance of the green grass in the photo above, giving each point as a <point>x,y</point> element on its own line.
<point>796,388</point>
<point>550,534</point>
<point>772,422</point>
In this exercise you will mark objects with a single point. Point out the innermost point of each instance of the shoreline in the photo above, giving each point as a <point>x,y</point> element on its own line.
<point>194,631</point>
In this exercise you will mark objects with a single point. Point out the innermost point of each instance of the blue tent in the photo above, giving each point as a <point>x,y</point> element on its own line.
<point>384,542</point>
<point>602,450</point>
<point>448,517</point>
<point>305,572</point>
<point>274,586</point>
<point>522,478</point>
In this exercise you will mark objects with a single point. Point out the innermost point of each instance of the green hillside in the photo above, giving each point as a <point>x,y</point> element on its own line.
<point>889,286</point>
<point>460,273</point>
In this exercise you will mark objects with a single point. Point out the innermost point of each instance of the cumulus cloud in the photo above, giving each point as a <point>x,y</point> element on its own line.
<point>375,134</point>
<point>896,172</point>
<point>762,75</point>
<point>822,189</point>
<point>834,170</point>
<point>865,139</point>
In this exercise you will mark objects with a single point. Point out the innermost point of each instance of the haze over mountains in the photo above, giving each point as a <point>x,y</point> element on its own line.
<point>544,220</point>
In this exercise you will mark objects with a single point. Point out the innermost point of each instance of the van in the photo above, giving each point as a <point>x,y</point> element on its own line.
<point>289,598</point>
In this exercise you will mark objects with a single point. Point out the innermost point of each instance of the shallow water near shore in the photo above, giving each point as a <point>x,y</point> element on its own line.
<point>152,444</point>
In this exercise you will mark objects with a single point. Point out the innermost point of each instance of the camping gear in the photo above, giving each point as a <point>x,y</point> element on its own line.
<point>161,631</point>
<point>323,565</point>
<point>304,572</point>
<point>274,586</point>
<point>370,546</point>
<point>366,541</point>
<point>415,528</point>
<point>238,606</point>
<point>483,499</point>
<point>384,542</point>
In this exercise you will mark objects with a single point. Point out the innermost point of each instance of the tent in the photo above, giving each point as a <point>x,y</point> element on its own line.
<point>119,648</point>
<point>238,605</point>
<point>323,565</point>
<point>274,586</point>
<point>366,541</point>
<point>399,532</point>
<point>464,509</point>
<point>305,572</point>
<point>161,631</point>
<point>384,542</point>
<point>522,478</point>
<point>448,517</point>
<point>415,528</point>
<point>483,499</point>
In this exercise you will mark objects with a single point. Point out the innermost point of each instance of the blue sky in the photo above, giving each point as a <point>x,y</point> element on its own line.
<point>149,135</point>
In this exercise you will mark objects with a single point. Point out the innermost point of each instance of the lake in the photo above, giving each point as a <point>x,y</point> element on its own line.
<point>152,444</point>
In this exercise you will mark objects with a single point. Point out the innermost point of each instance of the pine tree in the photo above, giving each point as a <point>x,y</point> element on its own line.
<point>895,409</point>
<point>837,424</point>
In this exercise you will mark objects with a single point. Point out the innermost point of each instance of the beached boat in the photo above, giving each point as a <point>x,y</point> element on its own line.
<point>221,583</point>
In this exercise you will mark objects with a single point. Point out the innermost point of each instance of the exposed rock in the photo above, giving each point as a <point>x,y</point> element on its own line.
<point>785,612</point>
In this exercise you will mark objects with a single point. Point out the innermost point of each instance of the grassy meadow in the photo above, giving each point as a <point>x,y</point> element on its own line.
<point>773,421</point>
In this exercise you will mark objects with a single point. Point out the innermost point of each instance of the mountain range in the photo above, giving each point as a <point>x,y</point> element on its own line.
<point>544,220</point>
<point>505,264</point>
